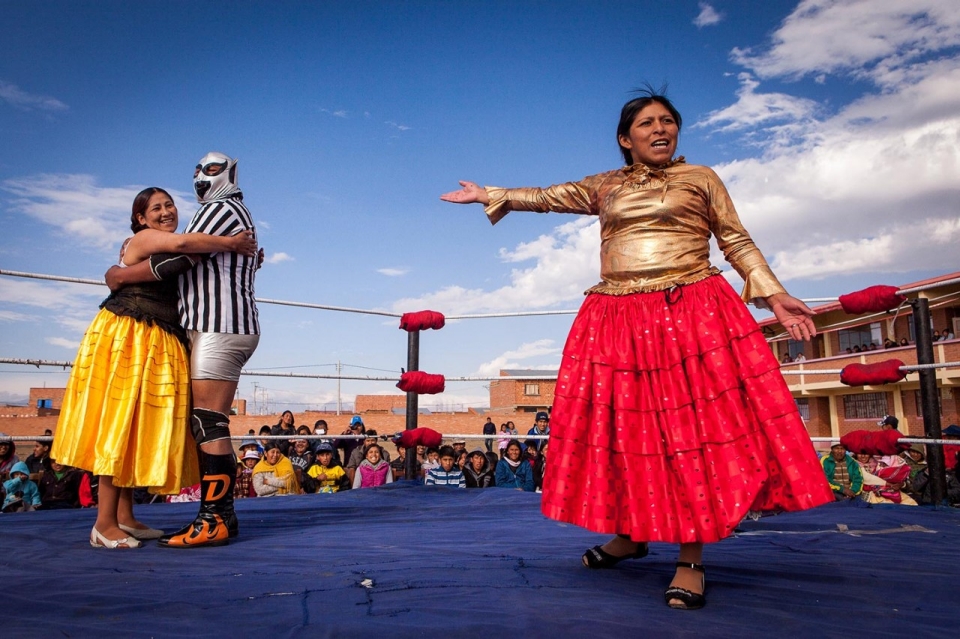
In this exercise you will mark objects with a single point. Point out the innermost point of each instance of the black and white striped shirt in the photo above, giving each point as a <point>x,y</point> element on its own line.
<point>216,295</point>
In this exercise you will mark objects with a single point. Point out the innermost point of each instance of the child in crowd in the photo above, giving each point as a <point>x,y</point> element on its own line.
<point>432,461</point>
<point>22,494</point>
<point>59,486</point>
<point>325,475</point>
<point>244,486</point>
<point>447,474</point>
<point>373,471</point>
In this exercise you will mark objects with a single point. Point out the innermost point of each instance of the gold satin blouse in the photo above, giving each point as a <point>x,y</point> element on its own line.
<point>655,226</point>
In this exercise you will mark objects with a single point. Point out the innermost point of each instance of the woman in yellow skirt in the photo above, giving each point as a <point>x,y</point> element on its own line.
<point>126,408</point>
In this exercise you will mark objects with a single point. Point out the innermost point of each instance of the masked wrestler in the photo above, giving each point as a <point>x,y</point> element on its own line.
<point>219,313</point>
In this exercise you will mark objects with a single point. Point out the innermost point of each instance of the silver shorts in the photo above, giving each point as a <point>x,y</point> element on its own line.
<point>220,356</point>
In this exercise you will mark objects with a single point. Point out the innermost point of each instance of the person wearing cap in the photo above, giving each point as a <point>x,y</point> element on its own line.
<point>359,453</point>
<point>843,473</point>
<point>459,446</point>
<point>244,486</point>
<point>249,444</point>
<point>347,446</point>
<point>327,475</point>
<point>889,422</point>
<point>540,427</point>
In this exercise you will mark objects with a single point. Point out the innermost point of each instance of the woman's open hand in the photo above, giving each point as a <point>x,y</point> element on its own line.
<point>244,243</point>
<point>469,194</point>
<point>793,315</point>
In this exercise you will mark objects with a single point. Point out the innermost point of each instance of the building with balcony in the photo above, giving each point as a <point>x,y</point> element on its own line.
<point>528,395</point>
<point>831,409</point>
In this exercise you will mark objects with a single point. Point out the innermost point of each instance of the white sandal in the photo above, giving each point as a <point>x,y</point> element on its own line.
<point>142,533</point>
<point>99,541</point>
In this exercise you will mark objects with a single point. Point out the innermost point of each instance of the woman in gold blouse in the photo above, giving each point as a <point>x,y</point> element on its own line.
<point>671,420</point>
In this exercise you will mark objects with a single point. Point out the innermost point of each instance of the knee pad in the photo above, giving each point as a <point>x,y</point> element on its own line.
<point>209,425</point>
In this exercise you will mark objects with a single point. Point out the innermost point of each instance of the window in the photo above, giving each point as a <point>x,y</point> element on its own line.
<point>917,398</point>
<point>803,405</point>
<point>531,389</point>
<point>44,403</point>
<point>911,330</point>
<point>865,406</point>
<point>794,347</point>
<point>860,336</point>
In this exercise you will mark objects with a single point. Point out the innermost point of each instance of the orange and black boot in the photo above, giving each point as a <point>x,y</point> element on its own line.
<point>216,522</point>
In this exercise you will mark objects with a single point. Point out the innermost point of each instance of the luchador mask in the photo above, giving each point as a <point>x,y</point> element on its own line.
<point>215,177</point>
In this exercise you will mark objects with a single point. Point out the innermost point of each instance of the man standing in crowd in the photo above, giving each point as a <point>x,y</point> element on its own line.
<point>489,428</point>
<point>541,427</point>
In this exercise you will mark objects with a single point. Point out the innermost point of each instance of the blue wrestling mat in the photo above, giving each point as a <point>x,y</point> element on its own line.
<point>415,561</point>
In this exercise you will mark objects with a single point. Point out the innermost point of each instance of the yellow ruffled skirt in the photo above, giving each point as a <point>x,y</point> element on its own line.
<point>126,409</point>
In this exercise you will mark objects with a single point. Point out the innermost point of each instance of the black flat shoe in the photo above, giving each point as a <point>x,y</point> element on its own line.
<point>597,557</point>
<point>689,600</point>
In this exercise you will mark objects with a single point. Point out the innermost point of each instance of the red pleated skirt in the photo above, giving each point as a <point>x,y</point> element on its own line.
<point>671,420</point>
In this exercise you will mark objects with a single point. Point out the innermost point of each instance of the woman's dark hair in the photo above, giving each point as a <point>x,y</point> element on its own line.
<point>271,445</point>
<point>366,449</point>
<point>280,423</point>
<point>303,429</point>
<point>513,442</point>
<point>265,430</point>
<point>647,96</point>
<point>140,206</point>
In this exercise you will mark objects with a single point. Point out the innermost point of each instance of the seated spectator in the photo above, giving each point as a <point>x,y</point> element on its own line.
<point>187,493</point>
<point>856,349</point>
<point>882,484</point>
<point>843,473</point>
<point>59,486</point>
<point>301,457</point>
<point>264,430</point>
<point>447,474</point>
<point>244,486</point>
<point>479,472</point>
<point>22,494</point>
<point>872,347</point>
<point>37,460</point>
<point>359,454</point>
<point>530,451</point>
<point>936,336</point>
<point>540,467</point>
<point>800,358</point>
<point>785,358</point>
<point>325,475</point>
<point>274,474</point>
<point>399,465</point>
<point>357,427</point>
<point>513,471</point>
<point>459,446</point>
<point>373,471</point>
<point>320,428</point>
<point>89,490</point>
<point>432,461</point>
<point>462,459</point>
<point>249,444</point>
<point>904,342</point>
<point>951,451</point>
<point>947,334</point>
<point>889,343</point>
<point>8,456</point>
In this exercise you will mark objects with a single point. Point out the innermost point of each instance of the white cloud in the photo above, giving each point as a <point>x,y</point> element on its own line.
<point>339,113</point>
<point>708,16</point>
<point>72,305</point>
<point>89,215</point>
<point>752,109</point>
<point>64,342</point>
<point>277,258</point>
<point>871,188</point>
<point>512,359</point>
<point>862,37</point>
<point>399,127</point>
<point>566,263</point>
<point>16,97</point>
<point>393,272</point>
<point>10,316</point>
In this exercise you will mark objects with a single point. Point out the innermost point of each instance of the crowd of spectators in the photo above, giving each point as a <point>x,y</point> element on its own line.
<point>891,479</point>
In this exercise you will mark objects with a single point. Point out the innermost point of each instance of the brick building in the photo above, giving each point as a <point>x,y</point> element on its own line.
<point>532,393</point>
<point>379,404</point>
<point>832,409</point>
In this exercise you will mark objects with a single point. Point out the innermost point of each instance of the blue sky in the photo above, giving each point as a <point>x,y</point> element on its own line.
<point>836,126</point>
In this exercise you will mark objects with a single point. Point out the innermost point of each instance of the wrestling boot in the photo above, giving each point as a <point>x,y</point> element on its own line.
<point>216,522</point>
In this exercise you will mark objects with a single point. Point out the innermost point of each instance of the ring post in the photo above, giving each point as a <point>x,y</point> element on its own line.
<point>930,400</point>
<point>413,364</point>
